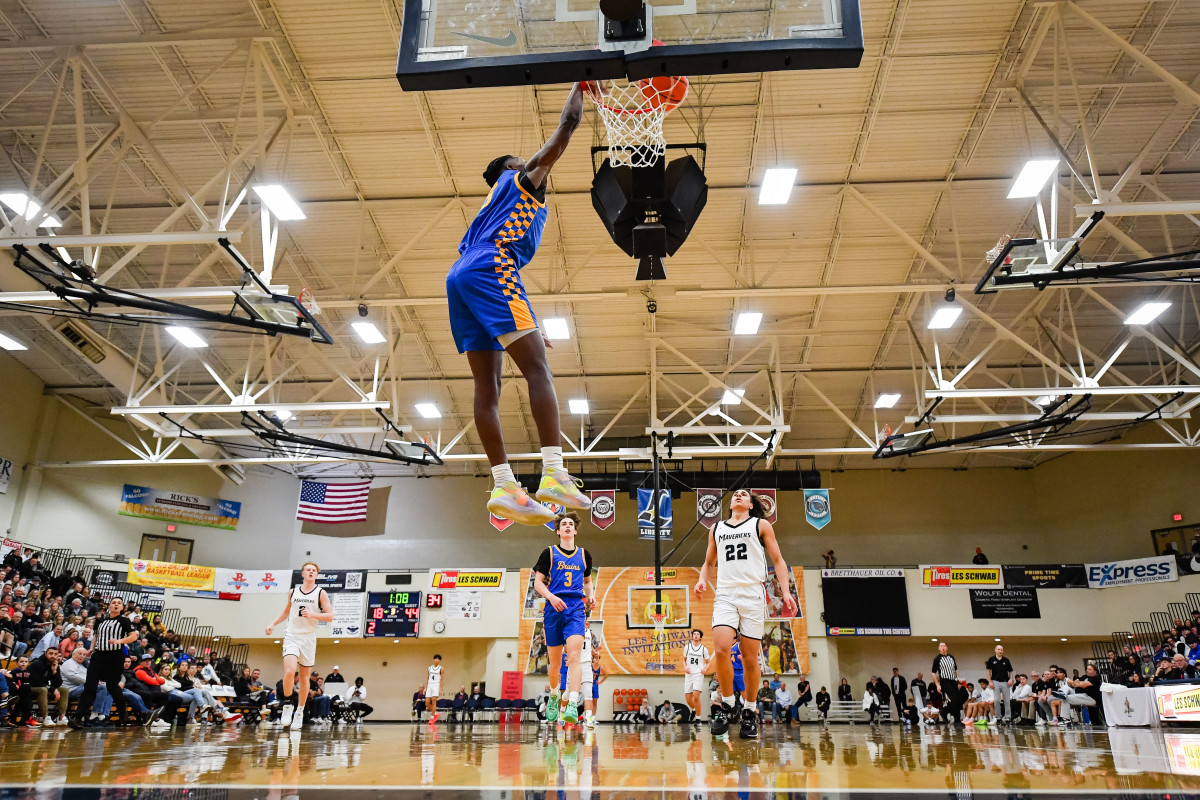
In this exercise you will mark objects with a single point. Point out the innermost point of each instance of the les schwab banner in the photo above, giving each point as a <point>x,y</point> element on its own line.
<point>961,576</point>
<point>637,651</point>
<point>478,580</point>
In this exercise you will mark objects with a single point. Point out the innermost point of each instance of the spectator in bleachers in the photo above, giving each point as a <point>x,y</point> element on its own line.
<point>198,681</point>
<point>1024,701</point>
<point>765,700</point>
<point>49,641</point>
<point>177,696</point>
<point>8,632</point>
<point>783,704</point>
<point>74,676</point>
<point>645,713</point>
<point>357,698</point>
<point>930,714</point>
<point>979,708</point>
<point>666,714</point>
<point>18,686</point>
<point>70,642</point>
<point>823,703</point>
<point>475,701</point>
<point>319,704</point>
<point>45,683</point>
<point>803,697</point>
<point>870,702</point>
<point>1087,694</point>
<point>460,701</point>
<point>844,692</point>
<point>418,700</point>
<point>335,676</point>
<point>209,671</point>
<point>143,681</point>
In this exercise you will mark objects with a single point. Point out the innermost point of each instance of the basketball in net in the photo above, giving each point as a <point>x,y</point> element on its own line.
<point>633,115</point>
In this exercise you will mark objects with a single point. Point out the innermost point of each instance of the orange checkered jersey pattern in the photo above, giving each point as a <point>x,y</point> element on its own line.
<point>514,229</point>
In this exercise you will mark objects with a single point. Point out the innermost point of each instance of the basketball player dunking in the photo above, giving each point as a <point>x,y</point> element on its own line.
<point>490,314</point>
<point>306,605</point>
<point>739,547</point>
<point>563,576</point>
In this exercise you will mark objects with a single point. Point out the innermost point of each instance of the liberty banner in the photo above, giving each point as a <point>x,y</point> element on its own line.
<point>708,507</point>
<point>604,507</point>
<point>189,509</point>
<point>646,514</point>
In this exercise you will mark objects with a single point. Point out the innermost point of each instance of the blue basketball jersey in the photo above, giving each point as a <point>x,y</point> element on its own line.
<point>567,572</point>
<point>735,655</point>
<point>510,224</point>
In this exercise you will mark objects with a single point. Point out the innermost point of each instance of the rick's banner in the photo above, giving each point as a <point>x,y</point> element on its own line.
<point>816,507</point>
<point>189,509</point>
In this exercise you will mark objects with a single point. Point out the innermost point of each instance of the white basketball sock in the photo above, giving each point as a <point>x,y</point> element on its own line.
<point>729,701</point>
<point>551,459</point>
<point>502,473</point>
<point>573,697</point>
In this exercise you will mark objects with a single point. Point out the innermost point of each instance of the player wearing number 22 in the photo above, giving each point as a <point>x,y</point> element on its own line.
<point>563,576</point>
<point>739,547</point>
<point>306,605</point>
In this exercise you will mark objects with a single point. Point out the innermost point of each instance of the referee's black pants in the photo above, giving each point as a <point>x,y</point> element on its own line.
<point>952,701</point>
<point>105,667</point>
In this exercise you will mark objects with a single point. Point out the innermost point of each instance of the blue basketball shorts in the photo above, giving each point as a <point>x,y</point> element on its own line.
<point>562,625</point>
<point>739,682</point>
<point>486,300</point>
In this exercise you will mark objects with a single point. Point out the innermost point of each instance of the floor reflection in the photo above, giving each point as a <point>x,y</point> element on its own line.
<point>519,761</point>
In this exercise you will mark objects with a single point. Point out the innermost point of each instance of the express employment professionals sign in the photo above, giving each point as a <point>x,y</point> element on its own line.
<point>1159,569</point>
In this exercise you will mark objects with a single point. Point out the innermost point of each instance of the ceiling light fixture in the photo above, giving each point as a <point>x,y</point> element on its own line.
<point>282,205</point>
<point>944,317</point>
<point>556,328</point>
<point>1033,177</point>
<point>578,405</point>
<point>283,415</point>
<point>733,398</point>
<point>9,343</point>
<point>186,336</point>
<point>747,323</point>
<point>27,207</point>
<point>428,411</point>
<point>776,186</point>
<point>887,400</point>
<point>368,332</point>
<point>1146,313</point>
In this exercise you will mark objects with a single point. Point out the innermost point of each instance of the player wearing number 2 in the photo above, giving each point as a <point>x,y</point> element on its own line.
<point>739,547</point>
<point>306,605</point>
<point>563,576</point>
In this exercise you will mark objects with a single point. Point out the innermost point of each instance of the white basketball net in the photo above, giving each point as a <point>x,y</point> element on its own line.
<point>633,115</point>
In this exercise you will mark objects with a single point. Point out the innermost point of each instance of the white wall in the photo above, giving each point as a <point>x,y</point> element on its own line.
<point>20,397</point>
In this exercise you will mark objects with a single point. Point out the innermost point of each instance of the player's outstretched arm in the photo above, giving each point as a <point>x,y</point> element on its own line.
<point>710,561</point>
<point>781,567</point>
<point>538,167</point>
<point>287,609</point>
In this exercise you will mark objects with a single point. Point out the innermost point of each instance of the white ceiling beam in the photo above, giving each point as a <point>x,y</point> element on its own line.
<point>149,40</point>
<point>236,433</point>
<point>185,293</point>
<point>124,239</point>
<point>1090,416</point>
<point>1070,391</point>
<point>690,430</point>
<point>237,408</point>
<point>1147,209</point>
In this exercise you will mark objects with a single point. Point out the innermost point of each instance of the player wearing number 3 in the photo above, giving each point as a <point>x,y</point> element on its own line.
<point>739,547</point>
<point>563,576</point>
<point>306,605</point>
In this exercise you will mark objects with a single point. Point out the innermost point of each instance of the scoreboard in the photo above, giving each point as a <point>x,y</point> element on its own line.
<point>394,614</point>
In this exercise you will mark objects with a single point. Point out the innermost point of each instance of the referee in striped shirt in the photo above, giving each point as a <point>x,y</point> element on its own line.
<point>945,675</point>
<point>108,658</point>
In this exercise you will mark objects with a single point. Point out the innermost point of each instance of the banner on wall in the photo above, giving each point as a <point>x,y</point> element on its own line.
<point>708,507</point>
<point>1046,576</point>
<point>555,509</point>
<point>335,580</point>
<point>6,473</point>
<point>499,523</point>
<point>253,581</point>
<point>189,509</point>
<point>1020,602</point>
<point>604,507</point>
<point>347,613</point>
<point>646,514</point>
<point>1158,569</point>
<point>816,507</point>
<point>1178,702</point>
<point>963,576</point>
<point>105,578</point>
<point>622,592</point>
<point>168,575</point>
<point>7,546</point>
<point>770,508</point>
<point>488,580</point>
<point>512,684</point>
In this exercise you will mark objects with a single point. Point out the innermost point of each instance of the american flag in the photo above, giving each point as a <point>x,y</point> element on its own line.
<point>333,502</point>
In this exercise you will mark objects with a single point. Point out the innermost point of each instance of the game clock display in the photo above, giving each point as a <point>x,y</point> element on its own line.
<point>394,614</point>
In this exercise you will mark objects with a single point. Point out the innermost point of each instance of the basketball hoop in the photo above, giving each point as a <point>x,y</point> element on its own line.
<point>306,299</point>
<point>660,632</point>
<point>633,115</point>
<point>995,252</point>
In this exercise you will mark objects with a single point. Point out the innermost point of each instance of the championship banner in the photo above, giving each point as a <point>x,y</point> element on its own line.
<point>622,593</point>
<point>962,576</point>
<point>708,507</point>
<point>487,580</point>
<point>1046,576</point>
<point>646,514</point>
<point>168,575</point>
<point>253,581</point>
<point>1158,569</point>
<point>499,523</point>
<point>770,509</point>
<point>555,509</point>
<point>189,509</point>
<point>604,507</point>
<point>816,507</point>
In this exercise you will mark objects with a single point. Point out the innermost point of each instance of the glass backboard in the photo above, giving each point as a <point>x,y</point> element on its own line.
<point>450,44</point>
